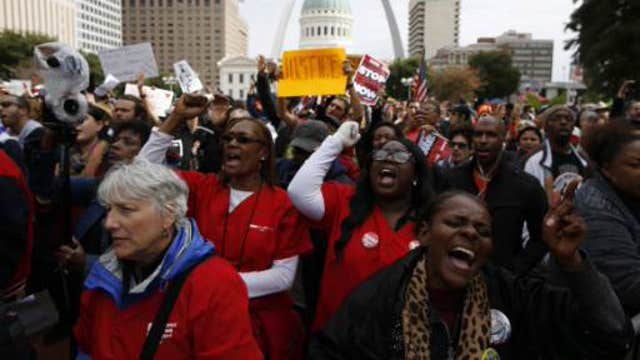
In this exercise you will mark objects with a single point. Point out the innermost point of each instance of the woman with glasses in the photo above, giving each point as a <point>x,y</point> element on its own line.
<point>251,222</point>
<point>369,226</point>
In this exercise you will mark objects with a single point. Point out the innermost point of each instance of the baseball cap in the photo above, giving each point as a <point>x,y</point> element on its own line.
<point>309,135</point>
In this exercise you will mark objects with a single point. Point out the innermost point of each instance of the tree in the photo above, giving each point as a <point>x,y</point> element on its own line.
<point>17,52</point>
<point>499,78</point>
<point>606,44</point>
<point>96,75</point>
<point>453,83</point>
<point>401,68</point>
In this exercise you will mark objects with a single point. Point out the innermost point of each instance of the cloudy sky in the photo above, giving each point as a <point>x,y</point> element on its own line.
<point>545,19</point>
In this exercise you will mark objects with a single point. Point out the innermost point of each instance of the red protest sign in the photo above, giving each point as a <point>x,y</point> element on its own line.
<point>370,77</point>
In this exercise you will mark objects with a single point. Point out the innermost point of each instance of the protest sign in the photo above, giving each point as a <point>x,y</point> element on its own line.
<point>187,78</point>
<point>110,82</point>
<point>312,72</point>
<point>434,146</point>
<point>17,87</point>
<point>127,62</point>
<point>159,100</point>
<point>370,77</point>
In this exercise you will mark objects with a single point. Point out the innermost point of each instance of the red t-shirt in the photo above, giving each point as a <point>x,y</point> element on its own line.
<point>210,320</point>
<point>372,247</point>
<point>263,228</point>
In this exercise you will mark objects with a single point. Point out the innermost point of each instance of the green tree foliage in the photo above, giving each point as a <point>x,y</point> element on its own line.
<point>499,78</point>
<point>96,75</point>
<point>16,51</point>
<point>401,68</point>
<point>607,43</point>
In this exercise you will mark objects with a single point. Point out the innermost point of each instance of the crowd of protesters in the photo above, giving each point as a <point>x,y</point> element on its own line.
<point>322,228</point>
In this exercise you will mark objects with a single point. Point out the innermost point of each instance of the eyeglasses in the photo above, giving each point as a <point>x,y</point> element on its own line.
<point>399,157</point>
<point>240,139</point>
<point>458,145</point>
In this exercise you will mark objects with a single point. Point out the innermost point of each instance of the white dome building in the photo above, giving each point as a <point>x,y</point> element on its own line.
<point>325,24</point>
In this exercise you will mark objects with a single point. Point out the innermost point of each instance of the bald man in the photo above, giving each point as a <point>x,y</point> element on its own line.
<point>512,196</point>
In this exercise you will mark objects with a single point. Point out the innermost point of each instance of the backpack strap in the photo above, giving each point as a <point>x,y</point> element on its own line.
<point>162,316</point>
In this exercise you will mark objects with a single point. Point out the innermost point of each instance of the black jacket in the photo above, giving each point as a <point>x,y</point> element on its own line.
<point>513,198</point>
<point>586,321</point>
<point>613,237</point>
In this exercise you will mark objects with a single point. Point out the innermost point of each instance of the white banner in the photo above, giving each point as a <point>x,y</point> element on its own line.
<point>127,62</point>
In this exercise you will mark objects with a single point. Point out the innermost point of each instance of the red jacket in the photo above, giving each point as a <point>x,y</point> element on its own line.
<point>210,320</point>
<point>9,170</point>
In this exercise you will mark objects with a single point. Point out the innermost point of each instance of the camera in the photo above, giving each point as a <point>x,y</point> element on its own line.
<point>66,74</point>
<point>23,319</point>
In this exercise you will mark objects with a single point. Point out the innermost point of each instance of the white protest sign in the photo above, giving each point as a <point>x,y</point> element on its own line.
<point>17,87</point>
<point>187,78</point>
<point>159,100</point>
<point>110,82</point>
<point>127,62</point>
<point>371,76</point>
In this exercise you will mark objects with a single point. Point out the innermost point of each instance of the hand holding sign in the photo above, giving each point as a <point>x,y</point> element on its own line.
<point>190,106</point>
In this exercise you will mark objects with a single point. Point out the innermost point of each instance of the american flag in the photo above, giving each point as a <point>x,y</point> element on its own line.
<point>421,91</point>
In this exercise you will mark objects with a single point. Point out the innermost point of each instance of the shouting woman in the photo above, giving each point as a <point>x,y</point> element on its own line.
<point>251,222</point>
<point>369,226</point>
<point>443,301</point>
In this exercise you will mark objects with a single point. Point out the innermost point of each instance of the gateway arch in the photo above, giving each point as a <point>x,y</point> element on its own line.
<point>276,50</point>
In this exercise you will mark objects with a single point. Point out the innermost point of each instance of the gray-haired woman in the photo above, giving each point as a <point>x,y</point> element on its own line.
<point>154,247</point>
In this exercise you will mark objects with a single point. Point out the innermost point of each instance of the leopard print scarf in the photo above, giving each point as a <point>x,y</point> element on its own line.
<point>476,319</point>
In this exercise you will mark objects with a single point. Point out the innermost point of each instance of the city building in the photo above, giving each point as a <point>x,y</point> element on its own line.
<point>433,24</point>
<point>55,18</point>
<point>202,32</point>
<point>532,57</point>
<point>237,75</point>
<point>325,24</point>
<point>99,24</point>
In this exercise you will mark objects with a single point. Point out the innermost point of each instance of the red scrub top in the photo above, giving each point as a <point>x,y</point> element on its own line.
<point>372,247</point>
<point>262,228</point>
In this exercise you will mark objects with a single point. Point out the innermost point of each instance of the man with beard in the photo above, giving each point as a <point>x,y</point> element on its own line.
<point>558,162</point>
<point>512,196</point>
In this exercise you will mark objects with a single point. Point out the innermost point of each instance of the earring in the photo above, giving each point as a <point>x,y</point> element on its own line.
<point>164,233</point>
<point>415,182</point>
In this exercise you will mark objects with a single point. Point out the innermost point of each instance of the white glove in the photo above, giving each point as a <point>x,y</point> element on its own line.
<point>348,133</point>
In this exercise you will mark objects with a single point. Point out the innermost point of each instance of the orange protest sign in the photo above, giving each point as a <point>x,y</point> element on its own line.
<point>312,72</point>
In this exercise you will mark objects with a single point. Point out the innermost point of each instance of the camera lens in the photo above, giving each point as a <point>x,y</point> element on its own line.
<point>71,106</point>
<point>53,62</point>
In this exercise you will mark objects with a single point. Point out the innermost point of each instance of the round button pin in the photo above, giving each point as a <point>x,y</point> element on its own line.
<point>370,240</point>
